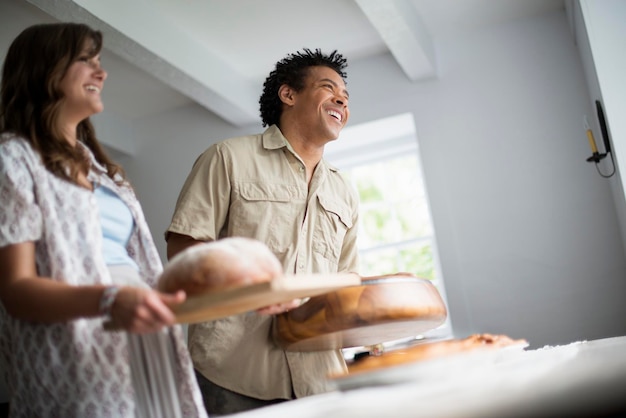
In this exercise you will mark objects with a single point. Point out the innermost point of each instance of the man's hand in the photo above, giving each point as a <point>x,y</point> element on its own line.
<point>281,307</point>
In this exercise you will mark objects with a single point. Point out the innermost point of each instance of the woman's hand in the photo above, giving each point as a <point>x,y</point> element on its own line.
<point>143,311</point>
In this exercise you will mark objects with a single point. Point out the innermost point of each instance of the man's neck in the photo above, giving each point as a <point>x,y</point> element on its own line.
<point>308,149</point>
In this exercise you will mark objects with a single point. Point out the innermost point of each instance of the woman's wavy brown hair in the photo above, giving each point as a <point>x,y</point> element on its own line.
<point>30,98</point>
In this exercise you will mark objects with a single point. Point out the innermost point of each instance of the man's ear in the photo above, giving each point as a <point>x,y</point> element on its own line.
<point>286,94</point>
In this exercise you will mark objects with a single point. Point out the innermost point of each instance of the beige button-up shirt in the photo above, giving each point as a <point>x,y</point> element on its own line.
<point>255,186</point>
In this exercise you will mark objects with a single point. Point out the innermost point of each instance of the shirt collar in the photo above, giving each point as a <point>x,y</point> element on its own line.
<point>273,139</point>
<point>92,159</point>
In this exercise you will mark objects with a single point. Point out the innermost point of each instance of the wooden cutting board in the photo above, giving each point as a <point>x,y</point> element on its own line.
<point>214,305</point>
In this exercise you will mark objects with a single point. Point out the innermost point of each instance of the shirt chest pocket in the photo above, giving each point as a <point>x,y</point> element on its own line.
<point>267,212</point>
<point>332,222</point>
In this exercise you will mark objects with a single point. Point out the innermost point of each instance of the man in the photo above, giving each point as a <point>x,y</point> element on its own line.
<point>274,187</point>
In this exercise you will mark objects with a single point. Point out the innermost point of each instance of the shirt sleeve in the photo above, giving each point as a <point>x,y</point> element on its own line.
<point>202,207</point>
<point>20,213</point>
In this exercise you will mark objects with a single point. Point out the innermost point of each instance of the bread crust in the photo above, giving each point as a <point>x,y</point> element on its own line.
<point>219,265</point>
<point>428,351</point>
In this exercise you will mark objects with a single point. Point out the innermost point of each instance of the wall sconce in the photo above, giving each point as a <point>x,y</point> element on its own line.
<point>596,157</point>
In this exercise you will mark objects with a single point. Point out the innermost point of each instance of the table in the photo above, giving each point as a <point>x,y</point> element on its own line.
<point>581,379</point>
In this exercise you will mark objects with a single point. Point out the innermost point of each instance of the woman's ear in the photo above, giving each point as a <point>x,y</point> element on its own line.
<point>286,94</point>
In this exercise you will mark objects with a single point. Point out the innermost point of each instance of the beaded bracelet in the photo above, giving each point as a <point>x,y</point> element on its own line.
<point>107,300</point>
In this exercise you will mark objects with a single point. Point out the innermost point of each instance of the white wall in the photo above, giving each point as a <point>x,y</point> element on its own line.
<point>600,33</point>
<point>526,228</point>
<point>166,146</point>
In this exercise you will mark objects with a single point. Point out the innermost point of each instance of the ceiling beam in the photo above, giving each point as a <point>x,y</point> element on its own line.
<point>139,34</point>
<point>402,29</point>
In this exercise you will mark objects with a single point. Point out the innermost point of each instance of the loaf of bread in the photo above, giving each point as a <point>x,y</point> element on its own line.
<point>219,265</point>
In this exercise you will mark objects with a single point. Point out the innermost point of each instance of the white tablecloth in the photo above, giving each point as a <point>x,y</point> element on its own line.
<point>585,378</point>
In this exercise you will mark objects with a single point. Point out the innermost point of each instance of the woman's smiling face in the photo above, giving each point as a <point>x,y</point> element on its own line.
<point>81,87</point>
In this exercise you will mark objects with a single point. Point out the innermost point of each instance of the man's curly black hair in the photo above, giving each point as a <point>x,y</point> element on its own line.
<point>292,70</point>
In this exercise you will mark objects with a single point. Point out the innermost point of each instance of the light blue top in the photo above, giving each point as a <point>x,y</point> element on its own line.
<point>117,225</point>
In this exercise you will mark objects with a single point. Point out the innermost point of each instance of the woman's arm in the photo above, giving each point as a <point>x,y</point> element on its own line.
<point>29,297</point>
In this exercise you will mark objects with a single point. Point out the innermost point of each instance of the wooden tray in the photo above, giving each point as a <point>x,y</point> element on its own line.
<point>214,305</point>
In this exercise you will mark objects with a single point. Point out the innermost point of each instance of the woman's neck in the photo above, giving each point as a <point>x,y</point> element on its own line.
<point>68,132</point>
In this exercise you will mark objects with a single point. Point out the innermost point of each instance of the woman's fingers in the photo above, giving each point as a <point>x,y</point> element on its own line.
<point>155,311</point>
<point>173,299</point>
<point>144,310</point>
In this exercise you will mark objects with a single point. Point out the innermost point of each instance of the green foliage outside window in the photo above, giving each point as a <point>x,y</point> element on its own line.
<point>395,233</point>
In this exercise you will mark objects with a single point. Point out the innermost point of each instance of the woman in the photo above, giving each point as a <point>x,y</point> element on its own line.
<point>75,249</point>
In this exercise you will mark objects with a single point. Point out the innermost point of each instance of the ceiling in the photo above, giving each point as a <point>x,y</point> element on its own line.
<point>163,54</point>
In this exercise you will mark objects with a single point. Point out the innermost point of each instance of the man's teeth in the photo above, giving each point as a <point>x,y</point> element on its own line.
<point>335,114</point>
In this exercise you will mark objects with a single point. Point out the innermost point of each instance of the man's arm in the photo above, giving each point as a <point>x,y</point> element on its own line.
<point>178,242</point>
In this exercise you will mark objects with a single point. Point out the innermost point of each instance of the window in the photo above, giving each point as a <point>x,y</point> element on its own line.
<point>381,159</point>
